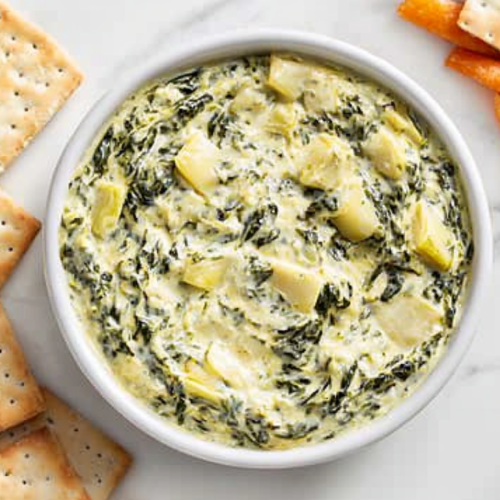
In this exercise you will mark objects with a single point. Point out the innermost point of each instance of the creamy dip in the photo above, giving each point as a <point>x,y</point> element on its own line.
<point>268,252</point>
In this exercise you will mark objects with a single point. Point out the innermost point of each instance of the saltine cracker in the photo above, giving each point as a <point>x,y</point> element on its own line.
<point>36,468</point>
<point>20,396</point>
<point>481,18</point>
<point>99,461</point>
<point>36,79</point>
<point>17,231</point>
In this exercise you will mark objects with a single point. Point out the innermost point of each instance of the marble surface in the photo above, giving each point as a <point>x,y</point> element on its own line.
<point>450,449</point>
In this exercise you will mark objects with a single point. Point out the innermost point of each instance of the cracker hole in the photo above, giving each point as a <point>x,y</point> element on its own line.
<point>20,74</point>
<point>7,55</point>
<point>6,375</point>
<point>12,402</point>
<point>11,249</point>
<point>13,126</point>
<point>26,456</point>
<point>60,70</point>
<point>3,223</point>
<point>13,38</point>
<point>99,455</point>
<point>16,93</point>
<point>47,478</point>
<point>24,482</point>
<point>26,110</point>
<point>47,84</point>
<point>76,429</point>
<point>35,46</point>
<point>87,447</point>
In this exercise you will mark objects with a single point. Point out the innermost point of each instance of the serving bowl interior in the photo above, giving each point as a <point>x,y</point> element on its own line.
<point>233,45</point>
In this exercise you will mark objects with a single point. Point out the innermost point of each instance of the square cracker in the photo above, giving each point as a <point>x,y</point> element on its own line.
<point>17,231</point>
<point>99,461</point>
<point>20,396</point>
<point>36,468</point>
<point>36,79</point>
<point>481,18</point>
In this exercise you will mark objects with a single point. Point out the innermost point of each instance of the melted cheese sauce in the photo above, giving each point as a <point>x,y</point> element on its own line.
<point>268,252</point>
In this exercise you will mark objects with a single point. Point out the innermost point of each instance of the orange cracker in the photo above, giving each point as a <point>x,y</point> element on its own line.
<point>497,107</point>
<point>484,70</point>
<point>440,17</point>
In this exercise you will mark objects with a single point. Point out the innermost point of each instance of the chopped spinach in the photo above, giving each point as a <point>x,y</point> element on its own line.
<point>395,281</point>
<point>296,340</point>
<point>322,203</point>
<point>332,406</point>
<point>187,83</point>
<point>338,247</point>
<point>334,295</point>
<point>102,152</point>
<point>255,223</point>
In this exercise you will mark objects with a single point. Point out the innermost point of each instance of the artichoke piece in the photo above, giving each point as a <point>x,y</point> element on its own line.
<point>206,274</point>
<point>201,391</point>
<point>222,362</point>
<point>248,99</point>
<point>356,218</point>
<point>300,287</point>
<point>201,384</point>
<point>408,320</point>
<point>287,77</point>
<point>321,96</point>
<point>196,162</point>
<point>282,119</point>
<point>387,153</point>
<point>324,162</point>
<point>402,125</point>
<point>107,209</point>
<point>431,239</point>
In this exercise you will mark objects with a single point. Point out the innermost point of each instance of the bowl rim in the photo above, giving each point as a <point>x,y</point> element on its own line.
<point>236,44</point>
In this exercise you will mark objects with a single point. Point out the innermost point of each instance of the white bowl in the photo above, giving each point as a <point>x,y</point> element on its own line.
<point>92,363</point>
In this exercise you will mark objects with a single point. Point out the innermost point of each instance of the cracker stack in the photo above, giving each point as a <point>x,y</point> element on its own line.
<point>47,451</point>
<point>55,441</point>
<point>36,468</point>
<point>99,462</point>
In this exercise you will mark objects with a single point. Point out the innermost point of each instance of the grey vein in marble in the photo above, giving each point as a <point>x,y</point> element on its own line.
<point>474,370</point>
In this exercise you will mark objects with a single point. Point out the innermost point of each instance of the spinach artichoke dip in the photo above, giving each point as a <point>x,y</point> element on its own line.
<point>268,252</point>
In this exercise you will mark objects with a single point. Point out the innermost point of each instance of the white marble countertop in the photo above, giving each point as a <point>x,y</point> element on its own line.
<point>451,449</point>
